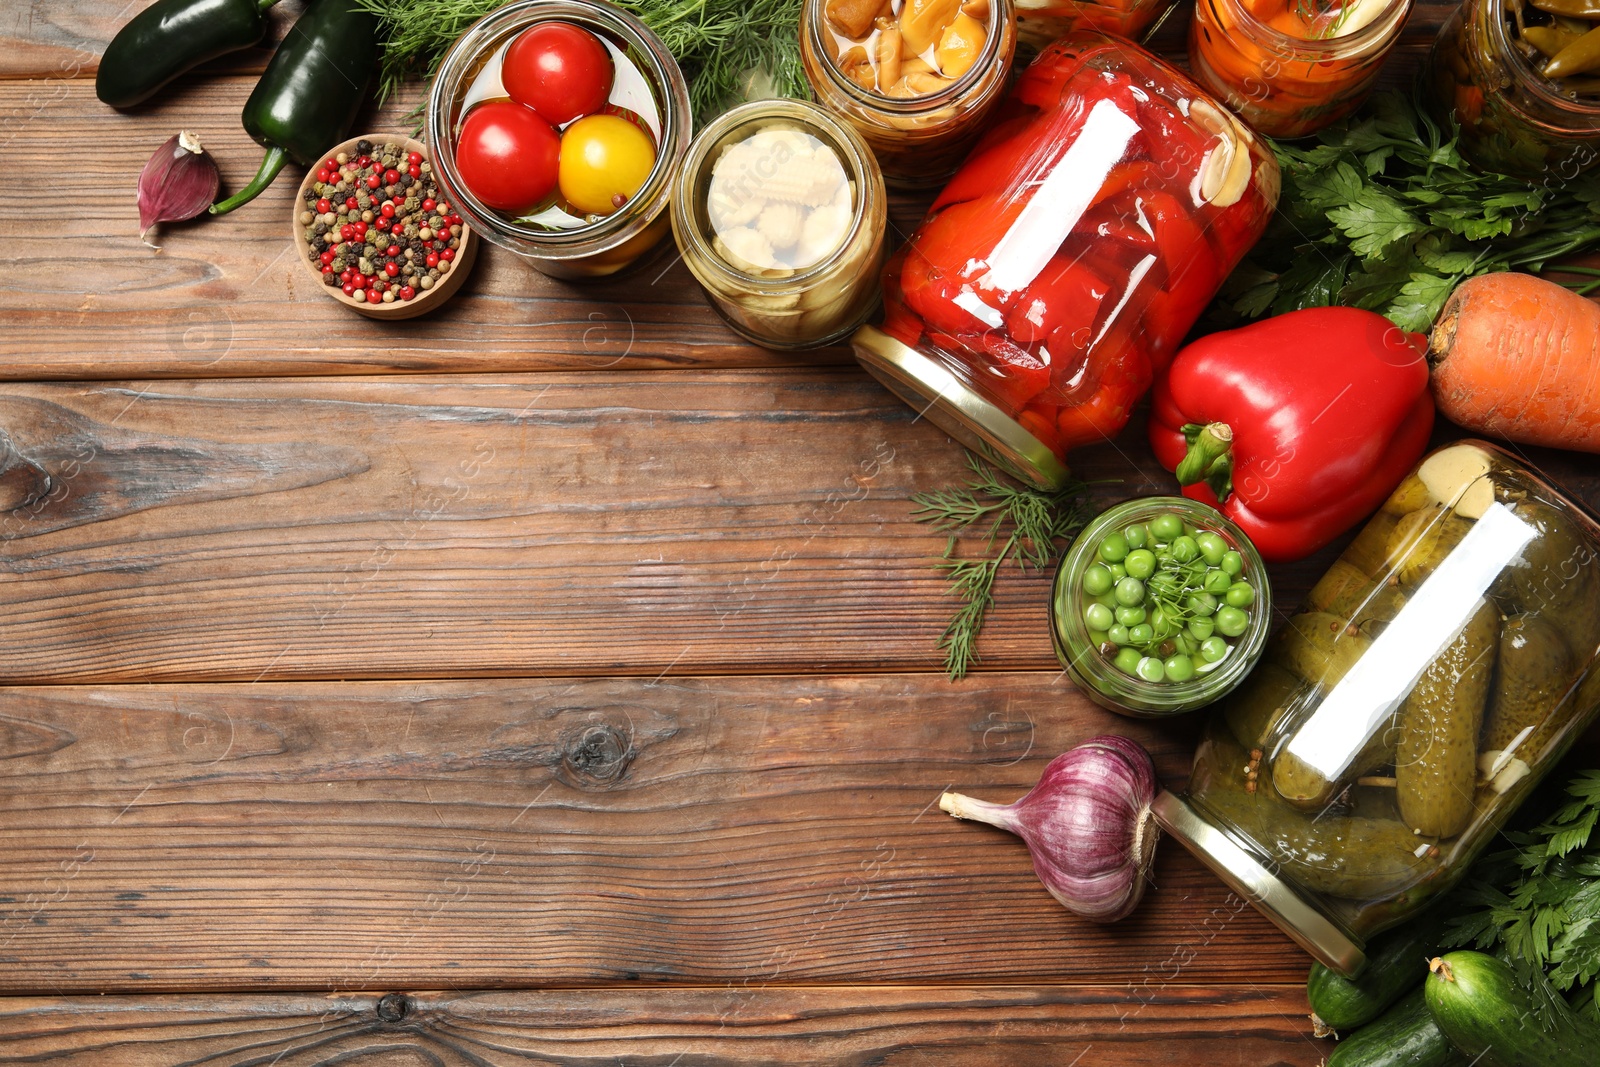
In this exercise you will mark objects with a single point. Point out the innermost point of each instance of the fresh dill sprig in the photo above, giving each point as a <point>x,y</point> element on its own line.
<point>729,49</point>
<point>1034,523</point>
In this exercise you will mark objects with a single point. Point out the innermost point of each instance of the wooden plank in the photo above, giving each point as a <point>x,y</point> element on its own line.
<point>224,297</point>
<point>1016,1026</point>
<point>626,523</point>
<point>566,832</point>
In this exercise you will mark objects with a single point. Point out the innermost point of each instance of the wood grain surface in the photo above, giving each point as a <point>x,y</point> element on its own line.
<point>1007,1026</point>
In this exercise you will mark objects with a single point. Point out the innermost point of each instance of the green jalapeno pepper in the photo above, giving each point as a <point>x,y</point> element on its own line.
<point>173,36</point>
<point>310,93</point>
<point>1578,57</point>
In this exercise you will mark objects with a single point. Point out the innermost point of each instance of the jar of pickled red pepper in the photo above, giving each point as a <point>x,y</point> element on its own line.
<point>1486,72</point>
<point>1437,671</point>
<point>917,78</point>
<point>1041,21</point>
<point>1289,69</point>
<point>1063,265</point>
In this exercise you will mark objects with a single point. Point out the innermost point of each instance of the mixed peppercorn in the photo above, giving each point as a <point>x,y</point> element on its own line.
<point>375,225</point>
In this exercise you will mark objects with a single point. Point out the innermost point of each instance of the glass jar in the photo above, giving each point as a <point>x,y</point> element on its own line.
<point>1289,75</point>
<point>919,124</point>
<point>1039,22</point>
<point>780,214</point>
<point>1215,634</point>
<point>648,84</point>
<point>1059,270</point>
<point>1442,665</point>
<point>1512,118</point>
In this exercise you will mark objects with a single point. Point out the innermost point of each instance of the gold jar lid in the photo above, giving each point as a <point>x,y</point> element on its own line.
<point>933,391</point>
<point>1255,882</point>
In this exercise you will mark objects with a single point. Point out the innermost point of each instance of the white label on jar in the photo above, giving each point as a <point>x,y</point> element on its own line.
<point>1434,616</point>
<point>1061,199</point>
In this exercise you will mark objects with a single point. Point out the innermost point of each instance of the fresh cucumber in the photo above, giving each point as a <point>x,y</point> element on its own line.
<point>1477,1002</point>
<point>1396,963</point>
<point>1403,1036</point>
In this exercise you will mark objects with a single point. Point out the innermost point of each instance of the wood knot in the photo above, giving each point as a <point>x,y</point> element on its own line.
<point>394,1007</point>
<point>22,481</point>
<point>596,754</point>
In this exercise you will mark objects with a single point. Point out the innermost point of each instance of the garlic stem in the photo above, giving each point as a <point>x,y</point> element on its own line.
<point>965,807</point>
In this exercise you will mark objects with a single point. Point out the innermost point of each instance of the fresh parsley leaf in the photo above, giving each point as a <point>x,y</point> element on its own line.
<point>1420,300</point>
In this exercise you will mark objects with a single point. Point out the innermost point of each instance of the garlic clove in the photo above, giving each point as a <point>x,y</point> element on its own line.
<point>178,182</point>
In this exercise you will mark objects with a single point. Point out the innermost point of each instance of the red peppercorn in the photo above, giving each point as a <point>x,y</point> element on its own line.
<point>373,181</point>
<point>362,161</point>
<point>326,257</point>
<point>392,250</point>
<point>387,210</point>
<point>330,163</point>
<point>407,292</point>
<point>352,203</point>
<point>391,176</point>
<point>359,281</point>
<point>345,275</point>
<point>346,232</point>
<point>391,269</point>
<point>374,297</point>
<point>448,254</point>
<point>381,225</point>
<point>348,288</point>
<point>323,206</point>
<point>327,272</point>
<point>428,204</point>
<point>324,175</point>
<point>414,170</point>
<point>414,158</point>
<point>432,259</point>
<point>361,226</point>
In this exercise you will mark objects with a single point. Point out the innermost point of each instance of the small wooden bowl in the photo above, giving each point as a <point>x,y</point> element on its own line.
<point>426,299</point>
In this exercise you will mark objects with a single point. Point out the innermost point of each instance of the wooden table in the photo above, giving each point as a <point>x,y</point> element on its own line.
<point>552,679</point>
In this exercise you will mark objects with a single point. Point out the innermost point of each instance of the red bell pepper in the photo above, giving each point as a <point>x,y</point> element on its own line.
<point>1300,425</point>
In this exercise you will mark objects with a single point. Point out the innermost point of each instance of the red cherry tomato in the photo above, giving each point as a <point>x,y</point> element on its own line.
<point>560,70</point>
<point>508,156</point>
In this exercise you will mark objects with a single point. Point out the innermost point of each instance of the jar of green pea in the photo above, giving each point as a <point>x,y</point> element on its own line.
<point>1160,606</point>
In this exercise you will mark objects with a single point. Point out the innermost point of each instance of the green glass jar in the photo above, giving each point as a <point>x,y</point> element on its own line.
<point>1188,601</point>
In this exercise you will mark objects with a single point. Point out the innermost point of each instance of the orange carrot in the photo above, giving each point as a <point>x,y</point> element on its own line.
<point>1519,357</point>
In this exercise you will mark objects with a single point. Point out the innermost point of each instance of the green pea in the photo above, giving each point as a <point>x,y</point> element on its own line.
<point>1130,592</point>
<point>1212,649</point>
<point>1136,536</point>
<point>1184,549</point>
<point>1232,563</point>
<point>1212,547</point>
<point>1130,616</point>
<point>1096,580</point>
<point>1118,634</point>
<point>1113,548</point>
<point>1098,617</point>
<point>1240,595</point>
<point>1185,644</point>
<point>1099,638</point>
<point>1163,585</point>
<point>1179,668</point>
<point>1231,622</point>
<point>1200,629</point>
<point>1190,528</point>
<point>1216,582</point>
<point>1150,669</point>
<point>1163,623</point>
<point>1141,563</point>
<point>1117,572</point>
<point>1108,599</point>
<point>1166,527</point>
<point>1127,660</point>
<point>1141,634</point>
<point>1201,604</point>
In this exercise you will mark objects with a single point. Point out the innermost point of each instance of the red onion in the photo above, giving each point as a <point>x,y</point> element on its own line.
<point>178,183</point>
<point>1087,823</point>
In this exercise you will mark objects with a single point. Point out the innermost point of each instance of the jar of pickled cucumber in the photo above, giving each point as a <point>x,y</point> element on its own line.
<point>1523,109</point>
<point>918,78</point>
<point>780,214</point>
<point>1437,671</point>
<point>1161,606</point>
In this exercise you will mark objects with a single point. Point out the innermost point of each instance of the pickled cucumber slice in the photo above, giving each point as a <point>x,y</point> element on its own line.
<point>1459,478</point>
<point>1420,542</point>
<point>1318,647</point>
<point>1410,495</point>
<point>1348,593</point>
<point>1436,764</point>
<point>1369,551</point>
<point>1535,671</point>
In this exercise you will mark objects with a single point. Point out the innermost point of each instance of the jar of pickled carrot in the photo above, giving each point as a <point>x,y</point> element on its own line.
<point>1066,260</point>
<point>1041,21</point>
<point>1291,67</point>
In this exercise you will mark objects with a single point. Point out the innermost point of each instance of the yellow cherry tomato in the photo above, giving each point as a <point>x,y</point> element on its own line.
<point>605,159</point>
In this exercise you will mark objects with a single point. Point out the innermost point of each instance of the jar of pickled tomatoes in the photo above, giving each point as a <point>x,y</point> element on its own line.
<point>1041,21</point>
<point>1289,69</point>
<point>1065,262</point>
<point>917,78</point>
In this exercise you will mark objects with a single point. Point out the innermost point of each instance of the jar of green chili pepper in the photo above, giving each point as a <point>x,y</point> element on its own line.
<point>1161,606</point>
<point>1522,80</point>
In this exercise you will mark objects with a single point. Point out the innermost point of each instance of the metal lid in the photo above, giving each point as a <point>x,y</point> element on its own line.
<point>1273,897</point>
<point>957,409</point>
